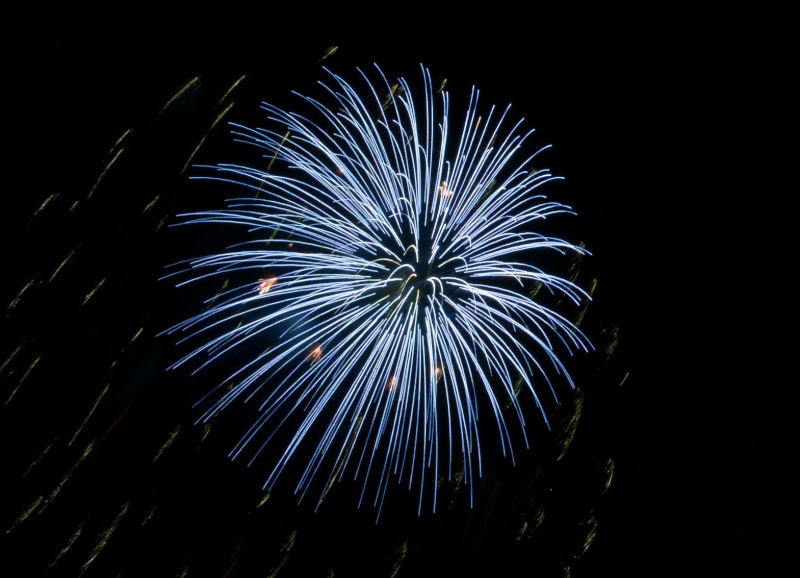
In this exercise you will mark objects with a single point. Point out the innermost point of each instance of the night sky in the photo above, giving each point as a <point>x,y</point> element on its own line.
<point>668,457</point>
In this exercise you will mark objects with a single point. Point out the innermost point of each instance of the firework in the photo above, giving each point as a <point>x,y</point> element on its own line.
<point>391,288</point>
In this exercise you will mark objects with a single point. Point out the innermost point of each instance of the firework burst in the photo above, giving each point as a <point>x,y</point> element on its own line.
<point>392,284</point>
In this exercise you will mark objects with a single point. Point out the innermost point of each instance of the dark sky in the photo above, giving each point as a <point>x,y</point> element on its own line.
<point>642,113</point>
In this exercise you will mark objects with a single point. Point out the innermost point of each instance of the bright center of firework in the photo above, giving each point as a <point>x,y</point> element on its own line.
<point>420,269</point>
<point>420,275</point>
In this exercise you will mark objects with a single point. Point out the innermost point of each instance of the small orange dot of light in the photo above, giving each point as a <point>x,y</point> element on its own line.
<point>265,284</point>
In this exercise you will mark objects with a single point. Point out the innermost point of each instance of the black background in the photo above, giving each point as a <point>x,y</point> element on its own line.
<point>657,124</point>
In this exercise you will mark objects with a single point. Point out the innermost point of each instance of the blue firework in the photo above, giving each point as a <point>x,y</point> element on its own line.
<point>389,281</point>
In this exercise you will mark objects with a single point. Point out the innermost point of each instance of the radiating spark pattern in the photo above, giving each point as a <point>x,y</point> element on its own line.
<point>408,259</point>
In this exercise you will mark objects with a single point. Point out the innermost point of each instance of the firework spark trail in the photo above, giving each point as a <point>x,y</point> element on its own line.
<point>403,289</point>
